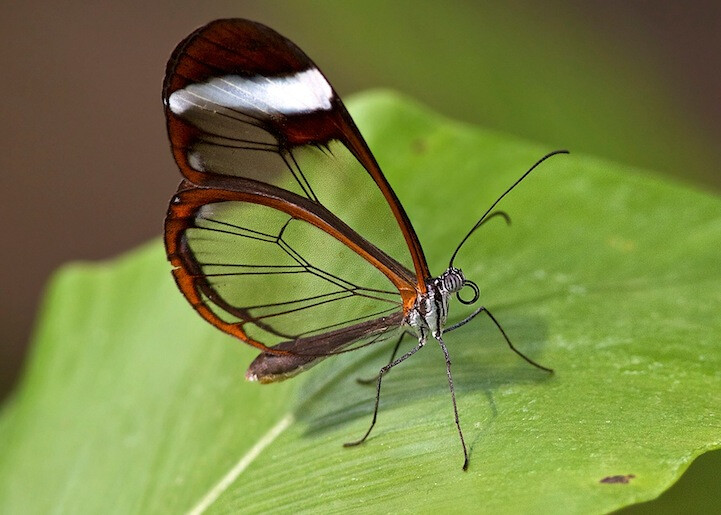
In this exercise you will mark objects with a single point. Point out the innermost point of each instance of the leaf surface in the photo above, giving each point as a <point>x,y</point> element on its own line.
<point>607,274</point>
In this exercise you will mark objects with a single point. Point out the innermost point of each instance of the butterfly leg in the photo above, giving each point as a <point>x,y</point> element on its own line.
<point>453,398</point>
<point>482,309</point>
<point>421,343</point>
<point>373,379</point>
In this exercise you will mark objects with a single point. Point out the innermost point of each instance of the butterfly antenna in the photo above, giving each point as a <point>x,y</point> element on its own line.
<point>485,215</point>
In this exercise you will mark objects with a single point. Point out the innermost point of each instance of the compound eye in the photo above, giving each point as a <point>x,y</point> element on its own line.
<point>476,292</point>
<point>452,282</point>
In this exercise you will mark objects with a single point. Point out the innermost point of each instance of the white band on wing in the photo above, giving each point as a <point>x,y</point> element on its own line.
<point>303,92</point>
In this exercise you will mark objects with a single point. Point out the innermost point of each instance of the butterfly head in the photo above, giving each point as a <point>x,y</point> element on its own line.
<point>431,308</point>
<point>453,281</point>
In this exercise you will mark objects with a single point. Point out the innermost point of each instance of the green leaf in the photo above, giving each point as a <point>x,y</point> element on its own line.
<point>609,275</point>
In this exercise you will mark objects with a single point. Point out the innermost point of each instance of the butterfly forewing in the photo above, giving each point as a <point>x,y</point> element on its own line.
<point>243,101</point>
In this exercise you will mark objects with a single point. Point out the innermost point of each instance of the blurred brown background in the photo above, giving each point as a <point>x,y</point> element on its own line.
<point>86,171</point>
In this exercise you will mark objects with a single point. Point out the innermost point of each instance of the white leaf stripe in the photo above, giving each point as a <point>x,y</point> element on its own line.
<point>229,478</point>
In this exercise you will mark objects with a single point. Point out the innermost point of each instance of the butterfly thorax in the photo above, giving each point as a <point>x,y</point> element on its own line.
<point>430,310</point>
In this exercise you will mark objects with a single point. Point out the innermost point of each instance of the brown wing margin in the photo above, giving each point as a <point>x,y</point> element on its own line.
<point>189,199</point>
<point>243,47</point>
<point>292,357</point>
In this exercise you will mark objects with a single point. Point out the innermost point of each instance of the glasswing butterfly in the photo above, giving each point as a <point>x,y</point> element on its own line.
<point>284,232</point>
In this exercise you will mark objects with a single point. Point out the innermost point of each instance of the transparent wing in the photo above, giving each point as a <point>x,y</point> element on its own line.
<point>285,233</point>
<point>278,277</point>
<point>244,102</point>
